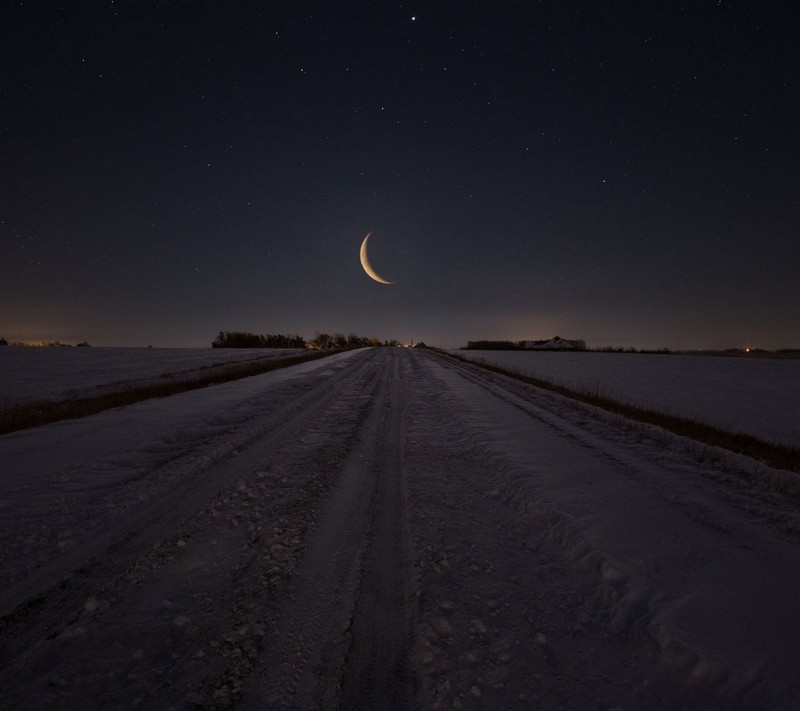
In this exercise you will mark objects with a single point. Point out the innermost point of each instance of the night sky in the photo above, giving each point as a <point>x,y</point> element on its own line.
<point>627,173</point>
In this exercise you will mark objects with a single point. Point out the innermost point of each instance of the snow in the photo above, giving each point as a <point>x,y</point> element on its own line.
<point>45,374</point>
<point>758,396</point>
<point>79,461</point>
<point>388,527</point>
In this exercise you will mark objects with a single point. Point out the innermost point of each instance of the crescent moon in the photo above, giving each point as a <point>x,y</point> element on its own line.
<point>367,266</point>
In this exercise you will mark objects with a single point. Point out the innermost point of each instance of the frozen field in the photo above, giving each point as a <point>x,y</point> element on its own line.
<point>388,528</point>
<point>30,374</point>
<point>758,396</point>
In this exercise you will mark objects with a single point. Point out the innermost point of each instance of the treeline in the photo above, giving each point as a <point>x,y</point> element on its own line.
<point>494,346</point>
<point>321,341</point>
<point>41,344</point>
<point>339,340</point>
<point>553,344</point>
<point>244,339</point>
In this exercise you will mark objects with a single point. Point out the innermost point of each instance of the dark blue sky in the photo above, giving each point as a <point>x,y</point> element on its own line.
<point>622,172</point>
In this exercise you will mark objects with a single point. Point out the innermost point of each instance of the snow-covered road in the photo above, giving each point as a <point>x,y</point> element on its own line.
<point>387,528</point>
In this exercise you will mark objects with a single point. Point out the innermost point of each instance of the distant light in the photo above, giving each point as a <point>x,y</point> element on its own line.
<point>746,350</point>
<point>413,18</point>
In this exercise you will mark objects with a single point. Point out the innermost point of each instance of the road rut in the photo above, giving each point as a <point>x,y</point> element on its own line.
<point>387,530</point>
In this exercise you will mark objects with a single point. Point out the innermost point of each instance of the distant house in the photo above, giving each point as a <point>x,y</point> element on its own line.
<point>554,344</point>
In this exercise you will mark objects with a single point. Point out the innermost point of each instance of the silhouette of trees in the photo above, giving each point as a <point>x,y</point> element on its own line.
<point>245,339</point>
<point>321,341</point>
<point>493,346</point>
<point>278,340</point>
<point>237,339</point>
<point>339,340</point>
<point>560,344</point>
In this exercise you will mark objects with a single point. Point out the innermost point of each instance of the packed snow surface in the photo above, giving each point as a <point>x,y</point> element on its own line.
<point>755,396</point>
<point>389,528</point>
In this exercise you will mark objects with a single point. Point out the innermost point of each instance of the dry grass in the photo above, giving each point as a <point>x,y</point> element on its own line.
<point>773,455</point>
<point>41,413</point>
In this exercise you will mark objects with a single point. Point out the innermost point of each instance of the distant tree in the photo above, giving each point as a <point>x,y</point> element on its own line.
<point>245,339</point>
<point>238,339</point>
<point>84,344</point>
<point>221,341</point>
<point>279,340</point>
<point>3,342</point>
<point>492,346</point>
<point>322,341</point>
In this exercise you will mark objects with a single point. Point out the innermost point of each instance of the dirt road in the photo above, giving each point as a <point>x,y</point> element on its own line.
<point>387,529</point>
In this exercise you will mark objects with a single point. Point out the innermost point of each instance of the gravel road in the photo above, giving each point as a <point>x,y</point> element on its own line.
<point>387,529</point>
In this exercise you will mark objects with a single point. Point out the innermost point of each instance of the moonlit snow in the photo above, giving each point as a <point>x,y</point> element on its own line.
<point>389,528</point>
<point>36,374</point>
<point>755,396</point>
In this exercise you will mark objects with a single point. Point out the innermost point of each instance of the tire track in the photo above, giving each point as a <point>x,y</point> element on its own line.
<point>184,624</point>
<point>504,621</point>
<point>343,632</point>
<point>664,558</point>
<point>187,481</point>
<point>378,674</point>
<point>395,532</point>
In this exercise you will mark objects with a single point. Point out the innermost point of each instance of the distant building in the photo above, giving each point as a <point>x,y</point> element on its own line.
<point>554,344</point>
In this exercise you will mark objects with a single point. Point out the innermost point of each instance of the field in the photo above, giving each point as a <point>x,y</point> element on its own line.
<point>391,528</point>
<point>759,397</point>
<point>52,374</point>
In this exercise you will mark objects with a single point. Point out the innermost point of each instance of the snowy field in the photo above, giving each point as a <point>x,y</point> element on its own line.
<point>389,528</point>
<point>29,374</point>
<point>758,396</point>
